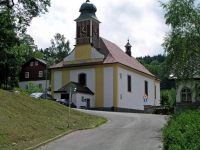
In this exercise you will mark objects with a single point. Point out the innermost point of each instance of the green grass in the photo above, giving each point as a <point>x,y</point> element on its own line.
<point>25,121</point>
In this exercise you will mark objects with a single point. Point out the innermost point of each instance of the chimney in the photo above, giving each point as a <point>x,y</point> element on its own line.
<point>128,48</point>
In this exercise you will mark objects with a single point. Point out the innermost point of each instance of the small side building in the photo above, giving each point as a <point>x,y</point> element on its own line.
<point>33,70</point>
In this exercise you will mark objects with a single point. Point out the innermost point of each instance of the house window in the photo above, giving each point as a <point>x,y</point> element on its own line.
<point>36,63</point>
<point>26,74</point>
<point>40,86</point>
<point>146,87</point>
<point>31,63</point>
<point>186,94</point>
<point>40,73</point>
<point>82,79</point>
<point>129,83</point>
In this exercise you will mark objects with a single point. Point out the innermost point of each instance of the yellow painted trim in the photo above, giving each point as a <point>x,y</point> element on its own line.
<point>65,76</point>
<point>83,52</point>
<point>52,83</point>
<point>115,85</point>
<point>157,81</point>
<point>83,61</point>
<point>99,86</point>
<point>136,71</point>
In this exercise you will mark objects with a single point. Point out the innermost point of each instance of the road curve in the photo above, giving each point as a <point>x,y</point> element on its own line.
<point>124,131</point>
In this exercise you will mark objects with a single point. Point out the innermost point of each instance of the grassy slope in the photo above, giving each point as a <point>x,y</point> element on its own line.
<point>26,121</point>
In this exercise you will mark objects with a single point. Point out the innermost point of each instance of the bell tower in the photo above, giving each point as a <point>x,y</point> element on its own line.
<point>128,48</point>
<point>87,26</point>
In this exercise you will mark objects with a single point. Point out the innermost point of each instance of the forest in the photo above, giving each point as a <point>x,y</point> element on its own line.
<point>157,66</point>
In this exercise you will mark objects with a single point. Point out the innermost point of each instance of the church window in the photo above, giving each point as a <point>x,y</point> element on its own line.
<point>186,94</point>
<point>146,87</point>
<point>120,75</point>
<point>129,83</point>
<point>155,91</point>
<point>82,79</point>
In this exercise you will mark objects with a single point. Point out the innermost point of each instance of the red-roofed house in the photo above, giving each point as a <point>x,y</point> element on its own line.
<point>117,80</point>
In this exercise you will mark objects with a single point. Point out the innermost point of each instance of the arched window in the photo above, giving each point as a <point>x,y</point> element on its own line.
<point>186,94</point>
<point>82,79</point>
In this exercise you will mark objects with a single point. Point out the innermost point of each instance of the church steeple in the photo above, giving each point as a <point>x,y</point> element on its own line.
<point>128,48</point>
<point>87,26</point>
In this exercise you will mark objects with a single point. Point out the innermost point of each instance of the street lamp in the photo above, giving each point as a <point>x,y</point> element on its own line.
<point>71,88</point>
<point>46,54</point>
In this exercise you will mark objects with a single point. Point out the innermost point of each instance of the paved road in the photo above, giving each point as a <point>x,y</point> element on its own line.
<point>124,131</point>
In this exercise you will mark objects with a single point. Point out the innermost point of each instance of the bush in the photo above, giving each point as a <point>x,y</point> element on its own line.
<point>182,131</point>
<point>168,98</point>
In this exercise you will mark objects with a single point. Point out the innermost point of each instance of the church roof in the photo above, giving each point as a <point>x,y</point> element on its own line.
<point>117,55</point>
<point>87,10</point>
<point>113,54</point>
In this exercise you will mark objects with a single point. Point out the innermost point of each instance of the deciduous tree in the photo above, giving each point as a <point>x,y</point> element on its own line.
<point>182,43</point>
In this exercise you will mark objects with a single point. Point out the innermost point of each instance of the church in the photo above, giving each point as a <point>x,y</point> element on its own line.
<point>105,77</point>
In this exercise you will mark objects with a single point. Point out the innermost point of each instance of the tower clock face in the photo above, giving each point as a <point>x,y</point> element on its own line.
<point>95,33</point>
<point>83,31</point>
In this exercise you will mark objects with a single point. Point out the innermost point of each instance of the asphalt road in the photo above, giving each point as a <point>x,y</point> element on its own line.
<point>124,131</point>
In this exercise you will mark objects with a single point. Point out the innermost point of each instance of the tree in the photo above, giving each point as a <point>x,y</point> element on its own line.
<point>182,44</point>
<point>25,10</point>
<point>60,48</point>
<point>15,45</point>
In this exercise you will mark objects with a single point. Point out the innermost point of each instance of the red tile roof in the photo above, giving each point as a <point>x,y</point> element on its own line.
<point>117,55</point>
<point>113,54</point>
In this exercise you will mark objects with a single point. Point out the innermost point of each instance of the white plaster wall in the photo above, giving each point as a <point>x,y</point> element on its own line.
<point>157,94</point>
<point>43,82</point>
<point>134,99</point>
<point>57,80</point>
<point>108,87</point>
<point>77,99</point>
<point>90,77</point>
<point>58,95</point>
<point>70,57</point>
<point>96,54</point>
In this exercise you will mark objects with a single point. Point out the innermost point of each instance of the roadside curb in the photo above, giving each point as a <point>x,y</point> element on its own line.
<point>50,140</point>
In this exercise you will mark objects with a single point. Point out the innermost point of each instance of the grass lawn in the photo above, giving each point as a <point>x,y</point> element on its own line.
<point>25,121</point>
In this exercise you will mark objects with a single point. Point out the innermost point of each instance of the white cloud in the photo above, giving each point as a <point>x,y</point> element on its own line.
<point>142,21</point>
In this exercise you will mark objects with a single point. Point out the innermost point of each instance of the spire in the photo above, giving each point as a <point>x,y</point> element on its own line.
<point>128,48</point>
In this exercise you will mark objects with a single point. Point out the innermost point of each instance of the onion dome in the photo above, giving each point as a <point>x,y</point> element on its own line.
<point>87,11</point>
<point>128,44</point>
<point>88,6</point>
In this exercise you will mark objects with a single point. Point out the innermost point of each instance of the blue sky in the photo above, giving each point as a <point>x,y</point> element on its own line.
<point>142,21</point>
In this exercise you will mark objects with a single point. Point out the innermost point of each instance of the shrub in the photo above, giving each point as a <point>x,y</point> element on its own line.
<point>32,88</point>
<point>182,131</point>
<point>168,98</point>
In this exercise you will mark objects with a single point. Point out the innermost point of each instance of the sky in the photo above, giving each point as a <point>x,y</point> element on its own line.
<point>142,21</point>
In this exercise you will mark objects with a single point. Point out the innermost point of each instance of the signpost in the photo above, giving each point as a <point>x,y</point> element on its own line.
<point>71,89</point>
<point>145,97</point>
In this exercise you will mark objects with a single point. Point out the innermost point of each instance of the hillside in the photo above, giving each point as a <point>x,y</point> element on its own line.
<point>28,121</point>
